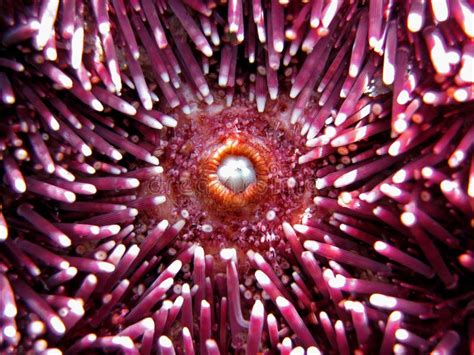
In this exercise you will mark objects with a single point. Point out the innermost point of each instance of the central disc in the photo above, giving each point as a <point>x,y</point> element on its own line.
<point>236,172</point>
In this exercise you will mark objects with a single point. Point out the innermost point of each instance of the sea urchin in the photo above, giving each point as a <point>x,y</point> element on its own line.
<point>265,176</point>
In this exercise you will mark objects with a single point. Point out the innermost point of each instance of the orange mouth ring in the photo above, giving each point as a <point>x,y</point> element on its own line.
<point>220,194</point>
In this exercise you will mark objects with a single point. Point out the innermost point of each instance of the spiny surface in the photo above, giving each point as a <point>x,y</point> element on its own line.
<point>364,244</point>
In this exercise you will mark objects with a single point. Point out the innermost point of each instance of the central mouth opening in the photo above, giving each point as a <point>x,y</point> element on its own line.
<point>237,173</point>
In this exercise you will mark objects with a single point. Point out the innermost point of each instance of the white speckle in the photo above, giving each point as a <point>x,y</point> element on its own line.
<point>9,331</point>
<point>271,215</point>
<point>291,182</point>
<point>207,228</point>
<point>10,310</point>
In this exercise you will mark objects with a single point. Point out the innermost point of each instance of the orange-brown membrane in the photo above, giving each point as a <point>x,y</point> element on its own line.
<point>215,191</point>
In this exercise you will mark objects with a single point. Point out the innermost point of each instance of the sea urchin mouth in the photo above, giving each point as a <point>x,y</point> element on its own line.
<point>236,172</point>
<point>216,181</point>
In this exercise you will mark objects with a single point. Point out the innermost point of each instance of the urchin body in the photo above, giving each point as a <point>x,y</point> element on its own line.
<point>269,176</point>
